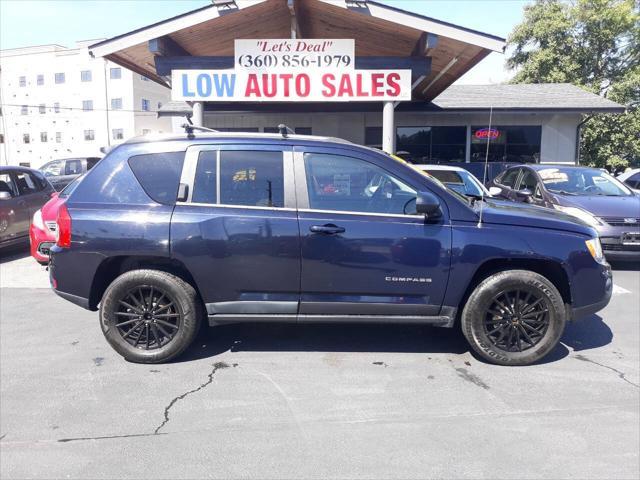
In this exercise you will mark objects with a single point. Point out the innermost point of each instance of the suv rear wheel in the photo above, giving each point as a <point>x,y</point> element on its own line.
<point>514,318</point>
<point>149,316</point>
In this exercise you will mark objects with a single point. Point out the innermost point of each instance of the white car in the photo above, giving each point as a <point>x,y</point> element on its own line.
<point>631,178</point>
<point>457,179</point>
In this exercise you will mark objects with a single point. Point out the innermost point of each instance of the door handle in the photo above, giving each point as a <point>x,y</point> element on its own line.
<point>328,229</point>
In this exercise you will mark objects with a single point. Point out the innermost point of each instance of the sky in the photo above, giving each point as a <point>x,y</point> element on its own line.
<point>37,22</point>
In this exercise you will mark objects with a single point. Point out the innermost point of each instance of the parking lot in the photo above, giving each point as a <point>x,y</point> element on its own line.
<point>311,401</point>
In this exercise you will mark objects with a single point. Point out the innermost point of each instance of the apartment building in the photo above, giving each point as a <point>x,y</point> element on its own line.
<point>59,102</point>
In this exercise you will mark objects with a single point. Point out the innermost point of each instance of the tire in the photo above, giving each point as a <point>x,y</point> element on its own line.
<point>150,316</point>
<point>514,317</point>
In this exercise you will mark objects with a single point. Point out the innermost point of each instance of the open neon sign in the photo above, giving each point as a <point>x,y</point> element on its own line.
<point>487,133</point>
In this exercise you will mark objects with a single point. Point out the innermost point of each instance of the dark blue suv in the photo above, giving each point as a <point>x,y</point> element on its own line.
<point>164,233</point>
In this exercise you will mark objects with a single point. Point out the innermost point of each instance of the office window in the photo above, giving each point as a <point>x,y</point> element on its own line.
<point>26,138</point>
<point>115,73</point>
<point>40,79</point>
<point>24,110</point>
<point>43,137</point>
<point>87,105</point>
<point>42,108</point>
<point>373,136</point>
<point>303,130</point>
<point>85,76</point>
<point>23,81</point>
<point>89,135</point>
<point>58,137</point>
<point>145,104</point>
<point>518,144</point>
<point>56,107</point>
<point>270,130</point>
<point>432,144</point>
<point>116,104</point>
<point>117,134</point>
<point>59,77</point>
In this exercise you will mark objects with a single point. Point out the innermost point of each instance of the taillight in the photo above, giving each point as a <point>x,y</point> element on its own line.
<point>63,232</point>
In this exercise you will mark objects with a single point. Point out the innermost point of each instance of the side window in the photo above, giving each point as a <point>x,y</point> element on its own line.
<point>73,167</point>
<point>509,178</point>
<point>91,162</point>
<point>7,185</point>
<point>159,174</point>
<point>26,183</point>
<point>634,181</point>
<point>250,178</point>
<point>347,184</point>
<point>528,181</point>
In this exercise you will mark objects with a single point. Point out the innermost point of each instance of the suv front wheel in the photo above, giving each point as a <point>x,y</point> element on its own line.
<point>149,316</point>
<point>514,317</point>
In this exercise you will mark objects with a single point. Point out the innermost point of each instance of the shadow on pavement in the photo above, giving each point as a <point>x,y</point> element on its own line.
<point>326,338</point>
<point>587,333</point>
<point>15,252</point>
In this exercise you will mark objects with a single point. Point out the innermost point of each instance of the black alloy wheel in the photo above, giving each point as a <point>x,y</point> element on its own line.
<point>517,320</point>
<point>147,317</point>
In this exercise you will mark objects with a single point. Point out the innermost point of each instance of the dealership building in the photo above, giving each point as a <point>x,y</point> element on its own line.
<point>374,48</point>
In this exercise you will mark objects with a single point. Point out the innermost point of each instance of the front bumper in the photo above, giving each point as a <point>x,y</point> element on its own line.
<point>576,313</point>
<point>614,249</point>
<point>40,243</point>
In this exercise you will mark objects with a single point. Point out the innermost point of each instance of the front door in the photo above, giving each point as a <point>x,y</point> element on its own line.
<point>237,232</point>
<point>363,252</point>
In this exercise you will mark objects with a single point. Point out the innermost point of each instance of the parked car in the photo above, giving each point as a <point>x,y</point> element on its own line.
<point>42,233</point>
<point>589,194</point>
<point>631,178</point>
<point>457,178</point>
<point>234,227</point>
<point>63,171</point>
<point>22,192</point>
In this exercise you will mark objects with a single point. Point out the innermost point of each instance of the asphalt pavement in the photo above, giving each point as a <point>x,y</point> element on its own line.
<point>287,401</point>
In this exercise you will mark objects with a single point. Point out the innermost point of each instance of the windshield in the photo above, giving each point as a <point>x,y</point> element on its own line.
<point>461,181</point>
<point>582,181</point>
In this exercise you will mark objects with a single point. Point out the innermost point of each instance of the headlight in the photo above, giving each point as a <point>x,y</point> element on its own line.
<point>37,220</point>
<point>595,249</point>
<point>583,215</point>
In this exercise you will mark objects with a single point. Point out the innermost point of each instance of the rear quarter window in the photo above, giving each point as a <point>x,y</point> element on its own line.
<point>159,174</point>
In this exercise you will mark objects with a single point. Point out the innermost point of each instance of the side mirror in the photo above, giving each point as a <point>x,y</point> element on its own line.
<point>495,191</point>
<point>5,196</point>
<point>524,195</point>
<point>428,205</point>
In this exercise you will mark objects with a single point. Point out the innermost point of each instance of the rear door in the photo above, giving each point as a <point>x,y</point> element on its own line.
<point>32,191</point>
<point>363,252</point>
<point>14,211</point>
<point>237,231</point>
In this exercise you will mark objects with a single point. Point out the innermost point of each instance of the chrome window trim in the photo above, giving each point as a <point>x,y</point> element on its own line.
<point>366,214</point>
<point>243,207</point>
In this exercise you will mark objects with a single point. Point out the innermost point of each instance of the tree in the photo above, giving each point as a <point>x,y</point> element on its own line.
<point>594,44</point>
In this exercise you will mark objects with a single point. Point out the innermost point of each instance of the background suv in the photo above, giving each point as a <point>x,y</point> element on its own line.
<point>164,233</point>
<point>63,171</point>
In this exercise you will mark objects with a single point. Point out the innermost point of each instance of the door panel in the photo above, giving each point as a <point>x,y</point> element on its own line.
<point>376,262</point>
<point>238,232</point>
<point>14,212</point>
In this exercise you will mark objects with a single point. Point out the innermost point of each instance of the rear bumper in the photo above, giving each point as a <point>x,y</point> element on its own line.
<point>80,301</point>
<point>40,242</point>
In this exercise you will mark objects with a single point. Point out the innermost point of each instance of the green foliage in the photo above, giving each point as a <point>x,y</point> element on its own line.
<point>594,44</point>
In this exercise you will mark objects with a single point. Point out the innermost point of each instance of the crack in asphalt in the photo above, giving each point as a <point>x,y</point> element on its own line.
<point>216,366</point>
<point>106,437</point>
<point>622,375</point>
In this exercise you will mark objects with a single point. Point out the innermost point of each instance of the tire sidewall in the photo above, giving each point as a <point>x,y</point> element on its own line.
<point>183,297</point>
<point>474,312</point>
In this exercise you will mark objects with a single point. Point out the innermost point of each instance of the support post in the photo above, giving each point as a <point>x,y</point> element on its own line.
<point>198,114</point>
<point>388,128</point>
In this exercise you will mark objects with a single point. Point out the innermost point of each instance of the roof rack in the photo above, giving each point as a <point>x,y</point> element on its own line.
<point>189,128</point>
<point>285,131</point>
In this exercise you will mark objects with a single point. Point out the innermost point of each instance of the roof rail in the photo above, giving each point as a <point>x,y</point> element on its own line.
<point>189,128</point>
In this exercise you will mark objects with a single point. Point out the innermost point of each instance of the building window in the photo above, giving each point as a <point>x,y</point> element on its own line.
<point>42,108</point>
<point>43,137</point>
<point>85,76</point>
<point>56,107</point>
<point>519,144</point>
<point>40,79</point>
<point>89,135</point>
<point>303,130</point>
<point>115,73</point>
<point>58,137</point>
<point>432,144</point>
<point>23,81</point>
<point>59,77</point>
<point>117,134</point>
<point>145,104</point>
<point>26,138</point>
<point>116,104</point>
<point>373,136</point>
<point>87,105</point>
<point>24,110</point>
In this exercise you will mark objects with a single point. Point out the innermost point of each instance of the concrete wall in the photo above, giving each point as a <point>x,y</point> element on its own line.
<point>558,130</point>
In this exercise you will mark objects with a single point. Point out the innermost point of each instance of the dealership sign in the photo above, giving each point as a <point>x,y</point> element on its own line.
<point>292,70</point>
